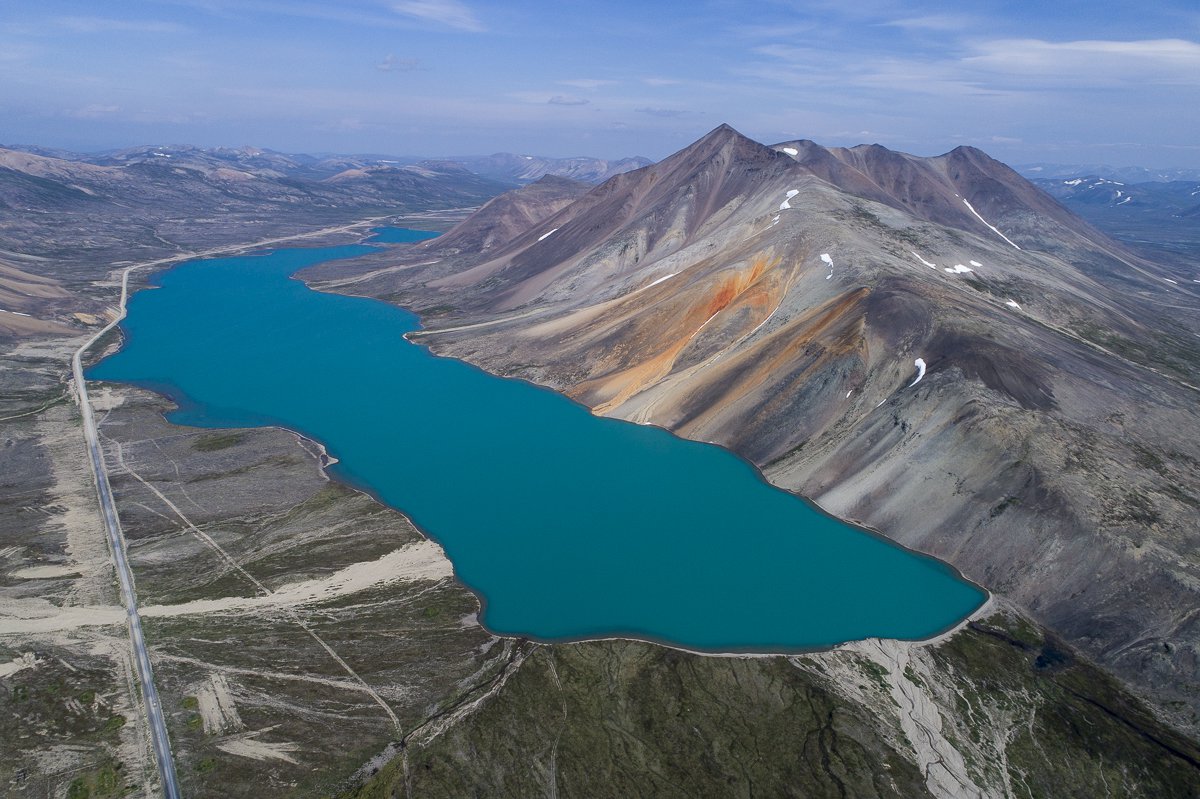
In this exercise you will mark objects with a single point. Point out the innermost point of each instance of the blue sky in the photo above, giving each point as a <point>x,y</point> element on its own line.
<point>1066,81</point>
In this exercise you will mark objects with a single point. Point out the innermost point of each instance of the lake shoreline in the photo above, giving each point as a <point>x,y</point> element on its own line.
<point>796,588</point>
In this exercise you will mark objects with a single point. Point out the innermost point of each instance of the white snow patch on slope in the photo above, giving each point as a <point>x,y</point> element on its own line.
<point>1169,280</point>
<point>828,260</point>
<point>14,313</point>
<point>25,661</point>
<point>959,269</point>
<point>920,364</point>
<point>989,224</point>
<point>974,263</point>
<point>1013,304</point>
<point>922,260</point>
<point>1127,199</point>
<point>848,393</point>
<point>661,279</point>
<point>783,206</point>
<point>1074,182</point>
<point>545,235</point>
<point>791,151</point>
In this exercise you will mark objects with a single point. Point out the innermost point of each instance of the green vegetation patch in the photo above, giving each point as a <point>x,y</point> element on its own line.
<point>211,442</point>
<point>105,781</point>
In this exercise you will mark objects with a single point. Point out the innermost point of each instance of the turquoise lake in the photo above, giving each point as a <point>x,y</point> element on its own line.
<point>566,525</point>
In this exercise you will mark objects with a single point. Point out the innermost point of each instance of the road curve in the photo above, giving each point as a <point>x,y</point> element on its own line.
<point>112,523</point>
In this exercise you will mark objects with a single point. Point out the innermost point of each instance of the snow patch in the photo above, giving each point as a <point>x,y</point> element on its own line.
<point>783,206</point>
<point>20,663</point>
<point>828,260</point>
<point>848,393</point>
<point>920,364</point>
<point>1013,304</point>
<point>792,151</point>
<point>989,224</point>
<point>1074,182</point>
<point>547,234</point>
<point>1127,199</point>
<point>959,269</point>
<point>14,313</point>
<point>922,260</point>
<point>974,263</point>
<point>661,279</point>
<point>1169,280</point>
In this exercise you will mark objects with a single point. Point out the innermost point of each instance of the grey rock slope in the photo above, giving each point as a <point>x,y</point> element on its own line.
<point>775,300</point>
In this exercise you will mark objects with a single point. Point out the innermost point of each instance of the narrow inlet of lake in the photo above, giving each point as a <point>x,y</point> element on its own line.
<point>566,525</point>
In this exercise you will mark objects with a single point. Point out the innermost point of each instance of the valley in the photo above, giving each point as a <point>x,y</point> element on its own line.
<point>930,348</point>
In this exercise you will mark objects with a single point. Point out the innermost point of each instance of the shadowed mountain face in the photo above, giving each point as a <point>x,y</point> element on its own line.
<point>777,300</point>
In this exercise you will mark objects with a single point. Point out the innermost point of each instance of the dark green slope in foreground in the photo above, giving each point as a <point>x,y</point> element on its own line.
<point>622,719</point>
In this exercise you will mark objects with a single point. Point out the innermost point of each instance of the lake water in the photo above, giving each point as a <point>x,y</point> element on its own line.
<point>566,525</point>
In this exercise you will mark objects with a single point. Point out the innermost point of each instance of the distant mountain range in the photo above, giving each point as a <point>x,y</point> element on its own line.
<point>1125,174</point>
<point>507,168</point>
<point>153,201</point>
<point>528,168</point>
<point>1160,218</point>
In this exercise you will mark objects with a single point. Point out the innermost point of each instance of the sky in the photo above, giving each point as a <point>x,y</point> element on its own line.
<point>1063,82</point>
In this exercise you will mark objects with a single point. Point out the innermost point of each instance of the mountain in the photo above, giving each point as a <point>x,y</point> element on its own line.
<point>149,202</point>
<point>526,168</point>
<point>507,216</point>
<point>1155,218</point>
<point>932,347</point>
<point>1125,174</point>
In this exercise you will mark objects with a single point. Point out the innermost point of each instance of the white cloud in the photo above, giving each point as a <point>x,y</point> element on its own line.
<point>933,22</point>
<point>93,111</point>
<point>1096,63</point>
<point>587,83</point>
<point>661,112</point>
<point>450,13</point>
<point>567,99</point>
<point>392,64</point>
<point>107,25</point>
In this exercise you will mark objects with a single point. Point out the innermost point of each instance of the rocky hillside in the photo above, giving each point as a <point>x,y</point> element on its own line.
<point>152,202</point>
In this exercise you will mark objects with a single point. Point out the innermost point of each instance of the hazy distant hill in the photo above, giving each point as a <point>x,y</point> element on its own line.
<point>1125,174</point>
<point>528,168</point>
<point>507,168</point>
<point>148,201</point>
<point>1159,218</point>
